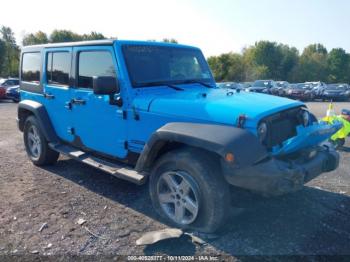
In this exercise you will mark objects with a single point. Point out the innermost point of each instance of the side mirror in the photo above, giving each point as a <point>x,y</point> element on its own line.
<point>105,85</point>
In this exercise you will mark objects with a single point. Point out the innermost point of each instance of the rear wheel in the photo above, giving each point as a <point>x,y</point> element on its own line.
<point>36,144</point>
<point>188,191</point>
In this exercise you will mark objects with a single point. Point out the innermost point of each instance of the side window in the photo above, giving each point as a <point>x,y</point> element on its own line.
<point>31,67</point>
<point>94,63</point>
<point>8,83</point>
<point>58,68</point>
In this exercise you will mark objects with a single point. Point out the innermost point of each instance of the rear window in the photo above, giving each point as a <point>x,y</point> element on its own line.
<point>31,67</point>
<point>58,68</point>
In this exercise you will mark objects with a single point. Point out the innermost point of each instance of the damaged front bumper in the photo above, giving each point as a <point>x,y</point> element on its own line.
<point>275,176</point>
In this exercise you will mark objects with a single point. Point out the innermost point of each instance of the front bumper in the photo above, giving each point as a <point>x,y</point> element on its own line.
<point>275,177</point>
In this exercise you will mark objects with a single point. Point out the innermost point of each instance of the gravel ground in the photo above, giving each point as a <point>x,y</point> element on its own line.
<point>312,221</point>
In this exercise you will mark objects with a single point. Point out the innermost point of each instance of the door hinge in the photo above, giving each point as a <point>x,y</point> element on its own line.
<point>71,130</point>
<point>68,105</point>
<point>48,96</point>
<point>136,115</point>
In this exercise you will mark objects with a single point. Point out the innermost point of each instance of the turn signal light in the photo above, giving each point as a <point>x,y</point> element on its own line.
<point>230,157</point>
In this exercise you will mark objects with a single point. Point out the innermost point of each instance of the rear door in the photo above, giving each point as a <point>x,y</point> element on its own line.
<point>98,125</point>
<point>57,90</point>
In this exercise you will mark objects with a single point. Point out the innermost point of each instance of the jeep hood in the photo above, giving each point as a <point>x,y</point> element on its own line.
<point>212,105</point>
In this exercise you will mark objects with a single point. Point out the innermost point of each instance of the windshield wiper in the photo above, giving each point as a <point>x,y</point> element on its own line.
<point>196,82</point>
<point>161,84</point>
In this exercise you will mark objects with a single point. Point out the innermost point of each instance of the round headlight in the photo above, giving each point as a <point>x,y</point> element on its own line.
<point>262,131</point>
<point>305,116</point>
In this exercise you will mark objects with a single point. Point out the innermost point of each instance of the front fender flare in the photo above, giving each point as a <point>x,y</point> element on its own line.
<point>219,139</point>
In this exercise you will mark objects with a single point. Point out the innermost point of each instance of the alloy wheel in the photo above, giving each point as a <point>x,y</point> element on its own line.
<point>34,142</point>
<point>178,196</point>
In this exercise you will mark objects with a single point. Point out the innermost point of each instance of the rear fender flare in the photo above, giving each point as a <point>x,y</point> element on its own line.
<point>26,107</point>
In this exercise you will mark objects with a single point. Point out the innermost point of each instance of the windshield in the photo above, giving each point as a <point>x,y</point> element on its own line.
<point>261,83</point>
<point>313,84</point>
<point>336,87</point>
<point>228,85</point>
<point>156,65</point>
<point>282,84</point>
<point>303,86</point>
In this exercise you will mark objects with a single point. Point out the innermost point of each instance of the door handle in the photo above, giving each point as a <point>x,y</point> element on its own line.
<point>78,101</point>
<point>48,96</point>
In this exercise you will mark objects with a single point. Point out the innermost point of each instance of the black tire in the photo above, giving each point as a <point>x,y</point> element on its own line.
<point>15,100</point>
<point>212,190</point>
<point>45,155</point>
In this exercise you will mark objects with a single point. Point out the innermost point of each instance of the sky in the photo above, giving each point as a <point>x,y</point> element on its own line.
<point>215,26</point>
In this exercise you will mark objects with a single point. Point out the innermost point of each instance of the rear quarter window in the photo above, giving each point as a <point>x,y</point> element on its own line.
<point>31,63</point>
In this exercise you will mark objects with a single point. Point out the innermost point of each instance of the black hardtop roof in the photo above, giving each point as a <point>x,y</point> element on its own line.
<point>34,48</point>
<point>68,44</point>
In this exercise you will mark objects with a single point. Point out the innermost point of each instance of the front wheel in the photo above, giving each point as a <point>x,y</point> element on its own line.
<point>36,144</point>
<point>188,191</point>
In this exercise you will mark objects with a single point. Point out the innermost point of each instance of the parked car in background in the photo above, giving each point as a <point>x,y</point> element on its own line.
<point>318,88</point>
<point>301,91</point>
<point>13,93</point>
<point>9,82</point>
<point>246,85</point>
<point>282,87</point>
<point>263,86</point>
<point>6,83</point>
<point>230,85</point>
<point>336,92</point>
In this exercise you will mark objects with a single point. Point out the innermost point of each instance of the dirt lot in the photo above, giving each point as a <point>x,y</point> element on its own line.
<point>312,221</point>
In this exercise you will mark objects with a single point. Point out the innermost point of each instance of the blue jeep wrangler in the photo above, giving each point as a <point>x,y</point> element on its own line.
<point>151,111</point>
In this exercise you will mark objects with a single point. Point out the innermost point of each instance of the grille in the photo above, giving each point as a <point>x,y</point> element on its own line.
<point>282,126</point>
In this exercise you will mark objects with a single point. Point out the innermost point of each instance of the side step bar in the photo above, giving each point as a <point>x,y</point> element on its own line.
<point>121,171</point>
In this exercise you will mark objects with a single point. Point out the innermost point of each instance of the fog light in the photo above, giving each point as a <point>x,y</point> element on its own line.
<point>229,157</point>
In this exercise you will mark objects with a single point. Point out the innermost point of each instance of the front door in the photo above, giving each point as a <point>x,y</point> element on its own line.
<point>97,125</point>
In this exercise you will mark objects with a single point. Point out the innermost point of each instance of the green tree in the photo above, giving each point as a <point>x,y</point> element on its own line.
<point>60,36</point>
<point>312,64</point>
<point>338,63</point>
<point>35,39</point>
<point>227,67</point>
<point>170,40</point>
<point>2,55</point>
<point>267,55</point>
<point>269,60</point>
<point>93,36</point>
<point>290,59</point>
<point>11,54</point>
